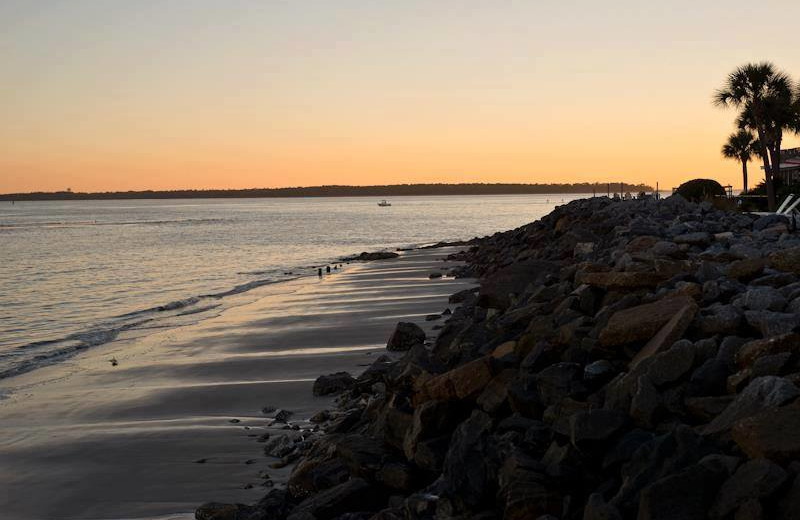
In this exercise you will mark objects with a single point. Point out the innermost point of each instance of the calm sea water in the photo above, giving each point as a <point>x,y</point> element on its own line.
<point>76,274</point>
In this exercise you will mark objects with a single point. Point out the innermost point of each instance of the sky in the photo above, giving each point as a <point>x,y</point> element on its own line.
<point>119,95</point>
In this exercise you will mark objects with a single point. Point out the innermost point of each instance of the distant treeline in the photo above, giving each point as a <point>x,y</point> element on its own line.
<point>390,190</point>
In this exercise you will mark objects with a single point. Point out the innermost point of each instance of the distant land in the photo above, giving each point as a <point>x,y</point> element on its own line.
<point>389,190</point>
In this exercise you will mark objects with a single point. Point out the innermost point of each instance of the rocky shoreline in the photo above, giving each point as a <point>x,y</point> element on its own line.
<point>621,360</point>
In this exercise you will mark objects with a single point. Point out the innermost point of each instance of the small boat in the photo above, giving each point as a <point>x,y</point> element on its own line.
<point>383,203</point>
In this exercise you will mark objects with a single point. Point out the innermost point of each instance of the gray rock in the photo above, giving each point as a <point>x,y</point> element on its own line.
<point>762,299</point>
<point>772,323</point>
<point>768,221</point>
<point>672,364</point>
<point>595,426</point>
<point>352,495</point>
<point>405,336</point>
<point>720,319</point>
<point>762,392</point>
<point>333,383</point>
<point>698,238</point>
<point>755,479</point>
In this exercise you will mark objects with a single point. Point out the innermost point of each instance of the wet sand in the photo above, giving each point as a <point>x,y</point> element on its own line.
<point>85,439</point>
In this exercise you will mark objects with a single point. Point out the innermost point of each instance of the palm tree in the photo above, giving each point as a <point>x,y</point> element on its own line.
<point>741,146</point>
<point>761,92</point>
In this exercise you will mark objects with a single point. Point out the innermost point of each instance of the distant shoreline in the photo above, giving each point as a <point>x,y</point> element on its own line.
<point>393,190</point>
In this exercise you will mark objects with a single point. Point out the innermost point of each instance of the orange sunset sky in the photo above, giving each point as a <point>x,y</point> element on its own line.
<point>117,95</point>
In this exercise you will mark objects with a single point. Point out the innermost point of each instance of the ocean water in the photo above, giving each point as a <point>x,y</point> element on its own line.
<point>77,274</point>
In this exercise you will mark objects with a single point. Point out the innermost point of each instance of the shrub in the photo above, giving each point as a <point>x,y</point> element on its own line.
<point>697,190</point>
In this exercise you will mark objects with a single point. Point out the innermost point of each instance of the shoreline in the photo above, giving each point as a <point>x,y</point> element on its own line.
<point>615,364</point>
<point>191,305</point>
<point>174,396</point>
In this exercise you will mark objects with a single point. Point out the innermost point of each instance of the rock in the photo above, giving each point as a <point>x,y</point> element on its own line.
<point>280,445</point>
<point>758,478</point>
<point>752,350</point>
<point>430,420</point>
<point>405,336</point>
<point>772,323</point>
<point>672,364</point>
<point>771,434</point>
<point>524,491</point>
<point>687,494</point>
<point>763,392</point>
<point>642,322</point>
<point>707,408</point>
<point>656,459</point>
<point>496,392</point>
<point>786,260</point>
<point>464,382</point>
<point>645,402</point>
<point>599,371</point>
<point>466,475</point>
<point>282,415</point>
<point>669,333</point>
<point>720,319</point>
<point>396,475</point>
<point>708,380</point>
<point>593,426</point>
<point>788,507</point>
<point>496,289</point>
<point>463,296</point>
<point>762,299</point>
<point>353,495</point>
<point>219,511</point>
<point>367,257</point>
<point>699,238</point>
<point>559,381</point>
<point>768,221</point>
<point>597,509</point>
<point>772,365</point>
<point>618,280</point>
<point>333,383</point>
<point>746,269</point>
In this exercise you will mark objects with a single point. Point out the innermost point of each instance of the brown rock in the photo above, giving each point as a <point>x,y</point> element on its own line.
<point>504,349</point>
<point>671,332</point>
<point>771,434</point>
<point>755,349</point>
<point>496,392</point>
<point>642,322</point>
<point>786,260</point>
<point>460,383</point>
<point>619,280</point>
<point>746,269</point>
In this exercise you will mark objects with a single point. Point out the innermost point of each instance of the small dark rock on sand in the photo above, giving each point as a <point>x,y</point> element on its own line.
<point>405,336</point>
<point>333,384</point>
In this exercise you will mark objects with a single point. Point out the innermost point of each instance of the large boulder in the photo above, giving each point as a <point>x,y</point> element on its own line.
<point>786,260</point>
<point>405,336</point>
<point>642,322</point>
<point>772,434</point>
<point>755,479</point>
<point>620,280</point>
<point>333,383</point>
<point>498,288</point>
<point>353,495</point>
<point>762,392</point>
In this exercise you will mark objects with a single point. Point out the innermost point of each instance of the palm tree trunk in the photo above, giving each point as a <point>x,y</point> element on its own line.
<point>762,140</point>
<point>775,159</point>
<point>744,176</point>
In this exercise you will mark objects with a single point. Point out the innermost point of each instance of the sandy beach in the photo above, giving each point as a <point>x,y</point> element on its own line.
<point>177,421</point>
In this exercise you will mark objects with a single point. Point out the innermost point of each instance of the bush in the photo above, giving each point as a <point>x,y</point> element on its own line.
<point>697,190</point>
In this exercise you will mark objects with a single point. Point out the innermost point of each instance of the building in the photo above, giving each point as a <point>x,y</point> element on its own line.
<point>790,166</point>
